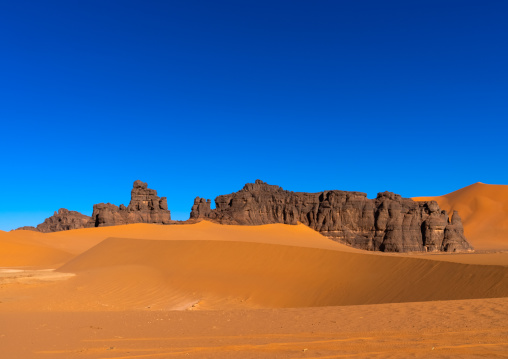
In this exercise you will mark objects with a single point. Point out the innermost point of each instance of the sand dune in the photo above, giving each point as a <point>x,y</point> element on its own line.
<point>272,275</point>
<point>66,244</point>
<point>133,274</point>
<point>128,285</point>
<point>484,212</point>
<point>209,291</point>
<point>209,266</point>
<point>16,250</point>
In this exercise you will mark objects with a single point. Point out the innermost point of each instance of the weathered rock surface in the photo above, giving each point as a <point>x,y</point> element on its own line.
<point>62,220</point>
<point>201,208</point>
<point>27,228</point>
<point>145,207</point>
<point>388,223</point>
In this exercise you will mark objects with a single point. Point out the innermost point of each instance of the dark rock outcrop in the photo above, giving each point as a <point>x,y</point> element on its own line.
<point>388,223</point>
<point>145,207</point>
<point>27,228</point>
<point>63,220</point>
<point>201,208</point>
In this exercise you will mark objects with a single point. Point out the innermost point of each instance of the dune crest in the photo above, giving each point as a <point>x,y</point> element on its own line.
<point>19,250</point>
<point>273,275</point>
<point>147,290</point>
<point>30,248</point>
<point>212,266</point>
<point>484,212</point>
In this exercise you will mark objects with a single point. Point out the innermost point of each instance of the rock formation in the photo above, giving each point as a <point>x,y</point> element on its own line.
<point>388,223</point>
<point>201,208</point>
<point>62,220</point>
<point>145,207</point>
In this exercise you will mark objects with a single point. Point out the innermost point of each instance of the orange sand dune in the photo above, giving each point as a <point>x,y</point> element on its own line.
<point>272,275</point>
<point>18,251</point>
<point>484,212</point>
<point>146,295</point>
<point>134,274</point>
<point>77,241</point>
<point>206,265</point>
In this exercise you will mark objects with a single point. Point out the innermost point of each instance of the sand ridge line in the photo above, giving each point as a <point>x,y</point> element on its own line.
<point>234,346</point>
<point>30,248</point>
<point>302,335</point>
<point>433,325</point>
<point>24,276</point>
<point>469,345</point>
<point>402,343</point>
<point>278,275</point>
<point>257,336</point>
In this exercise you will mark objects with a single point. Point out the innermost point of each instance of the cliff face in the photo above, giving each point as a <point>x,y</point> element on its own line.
<point>63,220</point>
<point>145,207</point>
<point>387,223</point>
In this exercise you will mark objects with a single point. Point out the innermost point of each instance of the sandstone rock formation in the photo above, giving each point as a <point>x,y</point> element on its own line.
<point>145,207</point>
<point>387,223</point>
<point>62,220</point>
<point>201,208</point>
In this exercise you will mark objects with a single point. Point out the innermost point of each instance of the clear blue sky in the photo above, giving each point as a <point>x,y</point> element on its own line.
<point>199,97</point>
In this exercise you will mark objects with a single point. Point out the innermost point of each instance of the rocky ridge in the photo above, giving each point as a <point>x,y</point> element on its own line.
<point>145,207</point>
<point>61,220</point>
<point>387,223</point>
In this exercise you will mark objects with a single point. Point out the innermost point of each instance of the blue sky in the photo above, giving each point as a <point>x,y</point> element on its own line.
<point>199,97</point>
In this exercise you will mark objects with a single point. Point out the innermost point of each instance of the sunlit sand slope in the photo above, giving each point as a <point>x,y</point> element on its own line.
<point>24,251</point>
<point>484,212</point>
<point>271,275</point>
<point>29,248</point>
<point>210,266</point>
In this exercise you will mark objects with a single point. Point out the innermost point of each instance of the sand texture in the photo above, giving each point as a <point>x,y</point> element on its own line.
<point>484,212</point>
<point>211,291</point>
<point>448,329</point>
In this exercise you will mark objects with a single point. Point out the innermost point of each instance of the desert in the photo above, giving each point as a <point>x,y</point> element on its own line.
<point>204,289</point>
<point>266,179</point>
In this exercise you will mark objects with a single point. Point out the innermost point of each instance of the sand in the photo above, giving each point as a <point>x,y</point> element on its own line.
<point>19,250</point>
<point>445,329</point>
<point>211,291</point>
<point>484,212</point>
<point>29,248</point>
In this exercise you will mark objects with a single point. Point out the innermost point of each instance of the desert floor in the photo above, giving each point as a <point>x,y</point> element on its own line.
<point>210,291</point>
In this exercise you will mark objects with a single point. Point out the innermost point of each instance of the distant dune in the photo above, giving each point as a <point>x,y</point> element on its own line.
<point>484,212</point>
